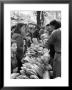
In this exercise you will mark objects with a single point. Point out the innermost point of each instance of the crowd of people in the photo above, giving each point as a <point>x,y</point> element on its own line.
<point>25,38</point>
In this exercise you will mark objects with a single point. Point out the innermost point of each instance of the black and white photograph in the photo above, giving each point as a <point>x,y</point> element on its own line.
<point>36,44</point>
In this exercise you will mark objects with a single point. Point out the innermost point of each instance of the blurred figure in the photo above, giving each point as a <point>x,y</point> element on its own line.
<point>41,31</point>
<point>13,57</point>
<point>54,43</point>
<point>28,41</point>
<point>18,28</point>
<point>53,25</point>
<point>20,48</point>
<point>24,30</point>
<point>13,30</point>
<point>36,33</point>
<point>44,37</point>
<point>21,29</point>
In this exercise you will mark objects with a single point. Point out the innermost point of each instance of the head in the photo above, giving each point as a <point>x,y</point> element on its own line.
<point>14,46</point>
<point>13,27</point>
<point>31,28</point>
<point>45,31</point>
<point>18,28</point>
<point>24,29</point>
<point>53,25</point>
<point>35,41</point>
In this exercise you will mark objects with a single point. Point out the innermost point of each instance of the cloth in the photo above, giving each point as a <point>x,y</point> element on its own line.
<point>57,65</point>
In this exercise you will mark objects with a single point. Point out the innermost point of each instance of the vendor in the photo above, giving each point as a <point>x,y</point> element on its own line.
<point>55,41</point>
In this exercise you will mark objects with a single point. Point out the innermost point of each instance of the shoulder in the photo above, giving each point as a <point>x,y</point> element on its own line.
<point>56,31</point>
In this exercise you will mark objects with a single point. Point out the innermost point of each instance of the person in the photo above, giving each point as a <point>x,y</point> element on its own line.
<point>54,42</point>
<point>44,37</point>
<point>20,45</point>
<point>21,29</point>
<point>18,28</point>
<point>13,57</point>
<point>13,29</point>
<point>19,52</point>
<point>53,25</point>
<point>41,31</point>
<point>36,33</point>
<point>28,41</point>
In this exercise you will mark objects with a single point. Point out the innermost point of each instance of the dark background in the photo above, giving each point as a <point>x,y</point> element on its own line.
<point>37,1</point>
<point>2,40</point>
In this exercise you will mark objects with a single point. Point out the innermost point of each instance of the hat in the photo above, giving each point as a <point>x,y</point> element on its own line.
<point>56,24</point>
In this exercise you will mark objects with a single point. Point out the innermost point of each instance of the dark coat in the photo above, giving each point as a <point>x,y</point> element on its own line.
<point>55,40</point>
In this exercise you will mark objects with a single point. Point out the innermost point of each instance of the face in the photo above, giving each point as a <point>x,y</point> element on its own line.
<point>23,29</point>
<point>14,46</point>
<point>35,40</point>
<point>50,28</point>
<point>45,31</point>
<point>32,30</point>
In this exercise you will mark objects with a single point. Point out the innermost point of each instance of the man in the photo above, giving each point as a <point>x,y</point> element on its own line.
<point>54,42</point>
<point>53,25</point>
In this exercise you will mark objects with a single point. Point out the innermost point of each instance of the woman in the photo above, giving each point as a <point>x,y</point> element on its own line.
<point>19,36</point>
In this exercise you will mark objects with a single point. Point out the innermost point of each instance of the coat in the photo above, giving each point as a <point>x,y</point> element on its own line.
<point>55,40</point>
